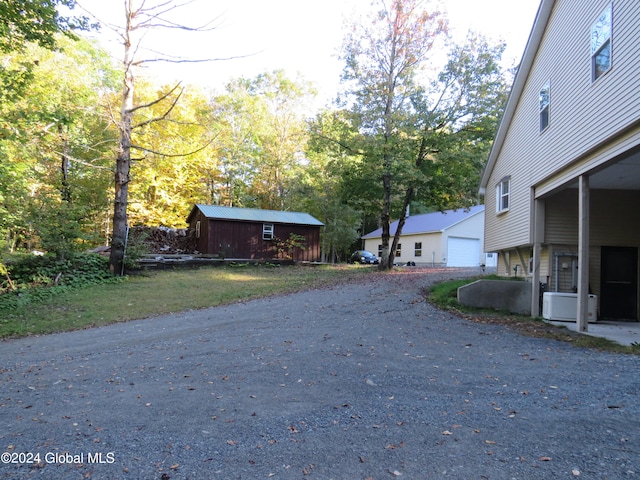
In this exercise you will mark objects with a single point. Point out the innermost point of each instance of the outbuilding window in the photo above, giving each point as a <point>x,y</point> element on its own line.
<point>601,43</point>
<point>418,249</point>
<point>503,191</point>
<point>198,229</point>
<point>267,231</point>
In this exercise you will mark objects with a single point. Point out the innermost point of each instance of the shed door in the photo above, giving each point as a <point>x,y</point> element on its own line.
<point>619,289</point>
<point>463,252</point>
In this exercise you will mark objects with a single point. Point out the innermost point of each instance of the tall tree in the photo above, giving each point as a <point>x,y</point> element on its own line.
<point>423,142</point>
<point>324,188</point>
<point>261,140</point>
<point>140,16</point>
<point>282,137</point>
<point>54,145</point>
<point>383,56</point>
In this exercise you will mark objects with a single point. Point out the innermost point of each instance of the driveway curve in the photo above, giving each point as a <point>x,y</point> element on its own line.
<point>358,381</point>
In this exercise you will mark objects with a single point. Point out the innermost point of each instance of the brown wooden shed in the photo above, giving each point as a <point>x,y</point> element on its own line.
<point>254,234</point>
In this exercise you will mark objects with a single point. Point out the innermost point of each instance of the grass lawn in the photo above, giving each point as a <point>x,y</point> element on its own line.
<point>444,296</point>
<point>158,293</point>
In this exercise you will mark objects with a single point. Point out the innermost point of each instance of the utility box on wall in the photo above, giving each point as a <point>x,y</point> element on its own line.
<point>564,307</point>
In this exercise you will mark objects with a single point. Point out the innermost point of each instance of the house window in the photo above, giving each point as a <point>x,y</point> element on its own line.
<point>267,231</point>
<point>503,190</point>
<point>544,105</point>
<point>418,249</point>
<point>601,43</point>
<point>399,251</point>
<point>198,229</point>
<point>380,250</point>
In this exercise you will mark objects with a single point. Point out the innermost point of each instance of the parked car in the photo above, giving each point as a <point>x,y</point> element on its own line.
<point>364,257</point>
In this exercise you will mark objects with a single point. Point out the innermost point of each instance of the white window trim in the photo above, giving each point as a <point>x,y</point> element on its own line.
<point>267,231</point>
<point>500,195</point>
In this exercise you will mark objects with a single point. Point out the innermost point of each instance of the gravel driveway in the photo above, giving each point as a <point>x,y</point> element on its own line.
<point>358,381</point>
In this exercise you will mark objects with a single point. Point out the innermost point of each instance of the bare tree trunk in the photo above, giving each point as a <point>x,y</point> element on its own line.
<point>123,162</point>
<point>386,259</point>
<point>65,189</point>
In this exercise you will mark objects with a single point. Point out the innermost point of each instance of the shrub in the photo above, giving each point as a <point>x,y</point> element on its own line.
<point>31,277</point>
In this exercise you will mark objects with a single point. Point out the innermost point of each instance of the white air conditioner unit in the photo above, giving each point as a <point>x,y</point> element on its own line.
<point>564,307</point>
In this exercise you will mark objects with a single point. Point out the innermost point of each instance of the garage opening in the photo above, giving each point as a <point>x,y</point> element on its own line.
<point>463,252</point>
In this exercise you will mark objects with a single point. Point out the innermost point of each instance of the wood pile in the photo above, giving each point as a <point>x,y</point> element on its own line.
<point>161,240</point>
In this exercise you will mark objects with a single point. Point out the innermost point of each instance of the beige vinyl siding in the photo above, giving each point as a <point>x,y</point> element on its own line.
<point>561,218</point>
<point>582,114</point>
<point>615,218</point>
<point>431,244</point>
<point>623,144</point>
<point>615,221</point>
<point>579,107</point>
<point>510,258</point>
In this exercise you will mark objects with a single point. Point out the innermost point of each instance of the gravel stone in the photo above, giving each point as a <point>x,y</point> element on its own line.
<point>361,380</point>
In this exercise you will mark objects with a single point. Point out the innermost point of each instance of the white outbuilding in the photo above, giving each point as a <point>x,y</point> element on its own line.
<point>453,238</point>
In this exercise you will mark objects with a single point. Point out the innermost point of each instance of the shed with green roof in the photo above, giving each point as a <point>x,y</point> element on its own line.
<point>255,234</point>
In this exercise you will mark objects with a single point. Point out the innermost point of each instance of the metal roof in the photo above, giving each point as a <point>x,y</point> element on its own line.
<point>430,222</point>
<point>256,215</point>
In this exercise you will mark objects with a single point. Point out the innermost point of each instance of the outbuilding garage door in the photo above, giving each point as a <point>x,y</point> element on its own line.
<point>463,252</point>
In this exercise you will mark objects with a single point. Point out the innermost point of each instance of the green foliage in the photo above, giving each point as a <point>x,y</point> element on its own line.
<point>136,248</point>
<point>60,226</point>
<point>37,21</point>
<point>171,154</point>
<point>54,146</point>
<point>31,278</point>
<point>445,294</point>
<point>24,22</point>
<point>262,134</point>
<point>286,247</point>
<point>419,141</point>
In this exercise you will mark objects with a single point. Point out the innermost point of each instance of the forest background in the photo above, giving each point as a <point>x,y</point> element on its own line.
<point>418,140</point>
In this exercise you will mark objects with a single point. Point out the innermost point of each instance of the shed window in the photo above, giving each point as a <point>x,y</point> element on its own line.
<point>503,190</point>
<point>399,250</point>
<point>198,229</point>
<point>380,250</point>
<point>267,231</point>
<point>545,98</point>
<point>418,249</point>
<point>601,43</point>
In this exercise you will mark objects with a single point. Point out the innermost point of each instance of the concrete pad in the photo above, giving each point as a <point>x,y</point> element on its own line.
<point>624,333</point>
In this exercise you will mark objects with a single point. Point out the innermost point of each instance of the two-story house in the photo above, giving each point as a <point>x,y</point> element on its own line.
<point>562,181</point>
